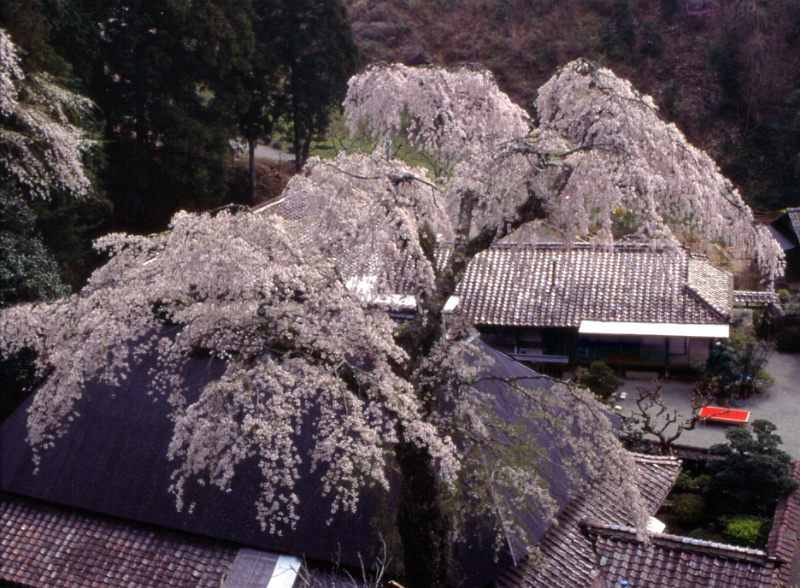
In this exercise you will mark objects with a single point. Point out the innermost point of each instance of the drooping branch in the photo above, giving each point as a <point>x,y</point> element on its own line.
<point>43,139</point>
<point>293,300</point>
<point>662,177</point>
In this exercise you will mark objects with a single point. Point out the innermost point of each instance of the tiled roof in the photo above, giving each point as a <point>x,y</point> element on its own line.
<point>557,286</point>
<point>794,218</point>
<point>50,546</point>
<point>294,209</point>
<point>113,459</point>
<point>786,228</point>
<point>751,299</point>
<point>678,450</point>
<point>362,262</point>
<point>785,526</point>
<point>554,286</point>
<point>566,555</point>
<point>657,474</point>
<point>710,284</point>
<point>672,561</point>
<point>594,546</point>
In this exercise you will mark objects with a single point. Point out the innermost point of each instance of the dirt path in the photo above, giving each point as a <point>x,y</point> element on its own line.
<point>270,154</point>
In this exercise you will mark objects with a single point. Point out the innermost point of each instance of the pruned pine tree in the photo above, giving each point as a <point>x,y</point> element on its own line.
<point>653,417</point>
<point>294,305</point>
<point>753,474</point>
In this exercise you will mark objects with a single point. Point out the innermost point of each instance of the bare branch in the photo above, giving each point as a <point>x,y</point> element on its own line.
<point>657,419</point>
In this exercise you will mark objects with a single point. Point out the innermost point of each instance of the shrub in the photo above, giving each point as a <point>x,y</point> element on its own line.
<point>706,534</point>
<point>684,482</point>
<point>688,483</point>
<point>753,474</point>
<point>757,316</point>
<point>738,369</point>
<point>745,531</point>
<point>764,379</point>
<point>625,22</point>
<point>600,379</point>
<point>668,9</point>
<point>652,44</point>
<point>689,509</point>
<point>788,340</point>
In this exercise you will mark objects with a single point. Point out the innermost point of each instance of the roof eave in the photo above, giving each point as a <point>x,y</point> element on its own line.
<point>711,331</point>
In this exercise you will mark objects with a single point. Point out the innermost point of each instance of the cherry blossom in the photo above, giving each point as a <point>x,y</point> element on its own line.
<point>41,143</point>
<point>291,301</point>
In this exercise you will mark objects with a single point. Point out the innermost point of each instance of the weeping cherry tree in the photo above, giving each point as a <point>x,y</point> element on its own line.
<point>42,145</point>
<point>293,300</point>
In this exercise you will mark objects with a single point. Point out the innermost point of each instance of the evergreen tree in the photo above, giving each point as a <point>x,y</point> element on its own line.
<point>28,271</point>
<point>26,22</point>
<point>165,76</point>
<point>175,80</point>
<point>263,84</point>
<point>166,110</point>
<point>316,46</point>
<point>753,474</point>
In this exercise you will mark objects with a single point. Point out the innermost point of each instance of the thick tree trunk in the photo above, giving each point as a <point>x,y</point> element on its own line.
<point>424,529</point>
<point>306,147</point>
<point>298,143</point>
<point>251,147</point>
<point>422,525</point>
<point>295,88</point>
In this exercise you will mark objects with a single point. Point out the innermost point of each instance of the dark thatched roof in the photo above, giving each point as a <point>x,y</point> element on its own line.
<point>113,460</point>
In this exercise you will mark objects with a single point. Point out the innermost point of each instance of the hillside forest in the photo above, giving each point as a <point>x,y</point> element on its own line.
<point>725,71</point>
<point>175,83</point>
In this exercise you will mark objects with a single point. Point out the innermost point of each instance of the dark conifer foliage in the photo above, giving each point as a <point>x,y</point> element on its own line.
<point>754,473</point>
<point>316,46</point>
<point>161,74</point>
<point>175,82</point>
<point>28,271</point>
<point>304,55</point>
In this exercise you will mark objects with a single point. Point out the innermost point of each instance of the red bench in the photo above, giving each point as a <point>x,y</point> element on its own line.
<point>720,414</point>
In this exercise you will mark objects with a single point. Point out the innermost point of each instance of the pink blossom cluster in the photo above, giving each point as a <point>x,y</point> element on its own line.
<point>291,301</point>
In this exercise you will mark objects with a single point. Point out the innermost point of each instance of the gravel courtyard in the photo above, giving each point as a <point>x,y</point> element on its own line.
<point>781,405</point>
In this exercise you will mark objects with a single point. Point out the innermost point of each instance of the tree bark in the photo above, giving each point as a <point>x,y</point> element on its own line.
<point>298,146</point>
<point>422,525</point>
<point>306,146</point>
<point>251,147</point>
<point>295,88</point>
